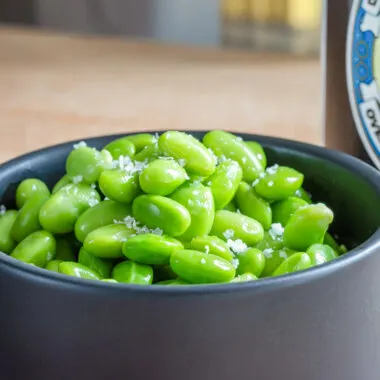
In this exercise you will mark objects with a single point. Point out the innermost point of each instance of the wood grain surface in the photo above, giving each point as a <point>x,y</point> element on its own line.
<point>55,88</point>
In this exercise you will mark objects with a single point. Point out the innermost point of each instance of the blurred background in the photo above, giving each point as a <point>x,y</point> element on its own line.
<point>291,26</point>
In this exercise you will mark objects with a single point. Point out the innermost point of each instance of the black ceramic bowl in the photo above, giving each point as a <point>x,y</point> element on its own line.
<point>320,324</point>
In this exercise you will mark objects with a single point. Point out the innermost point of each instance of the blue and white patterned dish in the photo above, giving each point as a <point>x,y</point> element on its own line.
<point>363,73</point>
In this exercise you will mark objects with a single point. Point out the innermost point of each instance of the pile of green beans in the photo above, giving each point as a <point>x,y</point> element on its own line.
<point>170,210</point>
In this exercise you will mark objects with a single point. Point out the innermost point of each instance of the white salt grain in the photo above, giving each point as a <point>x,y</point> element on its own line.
<point>79,145</point>
<point>77,179</point>
<point>268,252</point>
<point>3,209</point>
<point>237,246</point>
<point>276,230</point>
<point>228,234</point>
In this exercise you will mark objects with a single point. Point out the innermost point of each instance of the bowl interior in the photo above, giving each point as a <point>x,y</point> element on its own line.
<point>348,186</point>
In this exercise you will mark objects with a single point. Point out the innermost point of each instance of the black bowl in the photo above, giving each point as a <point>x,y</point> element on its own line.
<point>320,324</point>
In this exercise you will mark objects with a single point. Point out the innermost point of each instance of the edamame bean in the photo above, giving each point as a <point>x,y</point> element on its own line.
<point>28,188</point>
<point>274,258</point>
<point>213,245</point>
<point>142,140</point>
<point>258,151</point>
<point>7,243</point>
<point>53,265</point>
<point>101,266</point>
<point>182,146</point>
<point>279,182</point>
<point>162,177</point>
<point>307,226</point>
<point>320,254</point>
<point>148,154</point>
<point>64,181</point>
<point>64,251</point>
<point>106,242</point>
<point>201,268</point>
<point>249,230</point>
<point>283,210</point>
<point>118,185</point>
<point>199,202</point>
<point>230,146</point>
<point>86,164</point>
<point>103,214</point>
<point>130,272</point>
<point>224,183</point>
<point>60,212</point>
<point>37,249</point>
<point>121,147</point>
<point>270,241</point>
<point>110,280</point>
<point>77,270</point>
<point>27,220</point>
<point>303,194</point>
<point>151,249</point>
<point>251,261</point>
<point>177,281</point>
<point>156,211</point>
<point>252,205</point>
<point>245,277</point>
<point>329,240</point>
<point>295,263</point>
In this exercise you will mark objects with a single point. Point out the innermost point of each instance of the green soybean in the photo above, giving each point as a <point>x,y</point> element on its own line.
<point>53,265</point>
<point>252,205</point>
<point>78,270</point>
<point>119,186</point>
<point>303,194</point>
<point>64,181</point>
<point>224,183</point>
<point>258,151</point>
<point>37,249</point>
<point>86,164</point>
<point>274,258</point>
<point>60,212</point>
<point>330,240</point>
<point>103,214</point>
<point>199,202</point>
<point>106,242</point>
<point>182,146</point>
<point>307,226</point>
<point>242,227</point>
<point>201,268</point>
<point>320,254</point>
<point>245,277</point>
<point>148,154</point>
<point>156,211</point>
<point>162,177</point>
<point>270,241</point>
<point>27,220</point>
<point>121,147</point>
<point>283,210</point>
<point>279,183</point>
<point>142,140</point>
<point>110,280</point>
<point>101,266</point>
<point>176,281</point>
<point>130,272</point>
<point>28,188</point>
<point>251,261</point>
<point>295,263</point>
<point>225,144</point>
<point>213,245</point>
<point>7,243</point>
<point>151,249</point>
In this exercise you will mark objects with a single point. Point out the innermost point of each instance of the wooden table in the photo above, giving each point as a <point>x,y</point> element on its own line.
<point>57,87</point>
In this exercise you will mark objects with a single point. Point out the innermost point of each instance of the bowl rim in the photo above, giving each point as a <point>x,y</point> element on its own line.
<point>368,247</point>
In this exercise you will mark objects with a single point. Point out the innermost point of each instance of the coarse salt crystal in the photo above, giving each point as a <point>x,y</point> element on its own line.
<point>79,145</point>
<point>93,185</point>
<point>276,230</point>
<point>93,202</point>
<point>283,254</point>
<point>237,246</point>
<point>272,169</point>
<point>270,183</point>
<point>268,252</point>
<point>235,263</point>
<point>207,249</point>
<point>238,211</point>
<point>203,261</point>
<point>182,162</point>
<point>77,179</point>
<point>255,182</point>
<point>228,234</point>
<point>3,209</point>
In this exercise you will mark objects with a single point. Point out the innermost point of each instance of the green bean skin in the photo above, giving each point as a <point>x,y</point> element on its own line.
<point>28,188</point>
<point>162,177</point>
<point>78,270</point>
<point>295,263</point>
<point>130,272</point>
<point>101,266</point>
<point>148,154</point>
<point>201,268</point>
<point>151,249</point>
<point>224,183</point>
<point>274,258</point>
<point>249,230</point>
<point>60,212</point>
<point>213,245</point>
<point>64,181</point>
<point>320,254</point>
<point>156,211</point>
<point>259,152</point>
<point>7,243</point>
<point>284,209</point>
<point>225,144</point>
<point>245,277</point>
<point>141,141</point>
<point>252,205</point>
<point>106,242</point>
<point>307,226</point>
<point>182,146</point>
<point>121,147</point>
<point>199,202</point>
<point>103,214</point>
<point>53,265</point>
<point>302,193</point>
<point>251,261</point>
<point>37,249</point>
<point>173,282</point>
